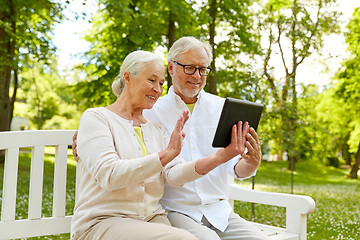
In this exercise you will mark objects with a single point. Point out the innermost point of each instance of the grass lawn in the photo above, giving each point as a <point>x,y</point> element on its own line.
<point>337,213</point>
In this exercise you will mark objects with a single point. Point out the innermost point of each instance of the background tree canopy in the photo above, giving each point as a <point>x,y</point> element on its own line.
<point>251,40</point>
<point>25,34</point>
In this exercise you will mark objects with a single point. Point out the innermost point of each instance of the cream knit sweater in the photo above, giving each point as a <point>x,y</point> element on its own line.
<point>115,180</point>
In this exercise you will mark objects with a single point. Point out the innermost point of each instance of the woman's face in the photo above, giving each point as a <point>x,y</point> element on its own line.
<point>147,85</point>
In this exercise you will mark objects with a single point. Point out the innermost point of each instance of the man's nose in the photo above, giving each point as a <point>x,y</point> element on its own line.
<point>197,74</point>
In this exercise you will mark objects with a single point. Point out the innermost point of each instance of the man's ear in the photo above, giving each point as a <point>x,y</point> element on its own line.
<point>170,68</point>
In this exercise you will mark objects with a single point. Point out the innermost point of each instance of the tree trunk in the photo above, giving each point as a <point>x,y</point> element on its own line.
<point>4,96</point>
<point>212,77</point>
<point>171,40</point>
<point>6,54</point>
<point>355,166</point>
<point>13,98</point>
<point>345,151</point>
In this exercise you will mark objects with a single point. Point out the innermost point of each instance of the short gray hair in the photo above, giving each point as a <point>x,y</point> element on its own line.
<point>133,63</point>
<point>185,44</point>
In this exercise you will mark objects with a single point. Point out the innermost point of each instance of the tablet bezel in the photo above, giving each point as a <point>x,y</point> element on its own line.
<point>235,110</point>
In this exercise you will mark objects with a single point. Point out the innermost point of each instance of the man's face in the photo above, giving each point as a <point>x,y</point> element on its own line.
<point>185,85</point>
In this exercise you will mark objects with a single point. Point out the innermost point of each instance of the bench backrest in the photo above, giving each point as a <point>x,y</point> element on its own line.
<point>35,224</point>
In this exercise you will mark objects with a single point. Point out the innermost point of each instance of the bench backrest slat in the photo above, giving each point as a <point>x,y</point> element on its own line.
<point>36,182</point>
<point>59,201</point>
<point>10,184</point>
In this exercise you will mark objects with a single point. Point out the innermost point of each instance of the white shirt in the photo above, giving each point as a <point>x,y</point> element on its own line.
<point>207,196</point>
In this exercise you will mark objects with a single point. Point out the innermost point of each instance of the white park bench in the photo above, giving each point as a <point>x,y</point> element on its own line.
<point>297,207</point>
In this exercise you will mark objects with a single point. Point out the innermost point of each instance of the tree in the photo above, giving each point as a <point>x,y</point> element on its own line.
<point>347,89</point>
<point>293,30</point>
<point>333,117</point>
<point>25,29</point>
<point>120,27</point>
<point>231,34</point>
<point>338,107</point>
<point>44,96</point>
<point>38,83</point>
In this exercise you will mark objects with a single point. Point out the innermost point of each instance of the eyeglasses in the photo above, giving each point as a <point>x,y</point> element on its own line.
<point>190,70</point>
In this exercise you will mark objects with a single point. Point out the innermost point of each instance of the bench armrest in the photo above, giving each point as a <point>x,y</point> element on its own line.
<point>297,206</point>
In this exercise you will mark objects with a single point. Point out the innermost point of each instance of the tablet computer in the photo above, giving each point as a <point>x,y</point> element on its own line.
<point>235,110</point>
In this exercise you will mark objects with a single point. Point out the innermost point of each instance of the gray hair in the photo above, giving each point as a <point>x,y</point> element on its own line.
<point>133,63</point>
<point>185,44</point>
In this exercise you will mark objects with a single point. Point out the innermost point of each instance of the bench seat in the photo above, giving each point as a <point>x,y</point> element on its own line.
<point>297,207</point>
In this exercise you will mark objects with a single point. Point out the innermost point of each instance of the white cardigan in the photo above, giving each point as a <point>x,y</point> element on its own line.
<point>115,180</point>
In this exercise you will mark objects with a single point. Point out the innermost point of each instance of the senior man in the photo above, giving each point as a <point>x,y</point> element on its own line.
<point>202,206</point>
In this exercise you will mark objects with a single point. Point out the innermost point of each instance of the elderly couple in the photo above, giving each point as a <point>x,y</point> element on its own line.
<point>138,183</point>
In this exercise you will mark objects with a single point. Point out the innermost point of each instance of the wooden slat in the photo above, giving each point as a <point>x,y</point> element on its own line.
<point>43,137</point>
<point>10,184</point>
<point>36,182</point>
<point>276,233</point>
<point>302,204</point>
<point>59,200</point>
<point>31,228</point>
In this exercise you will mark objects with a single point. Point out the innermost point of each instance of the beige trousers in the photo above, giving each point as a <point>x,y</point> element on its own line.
<point>157,228</point>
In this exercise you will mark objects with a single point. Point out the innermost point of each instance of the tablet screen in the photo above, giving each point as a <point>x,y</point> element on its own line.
<point>235,110</point>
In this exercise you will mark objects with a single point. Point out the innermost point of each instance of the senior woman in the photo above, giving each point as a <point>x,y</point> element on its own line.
<point>125,160</point>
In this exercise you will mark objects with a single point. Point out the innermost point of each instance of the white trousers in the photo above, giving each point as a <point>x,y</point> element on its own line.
<point>238,228</point>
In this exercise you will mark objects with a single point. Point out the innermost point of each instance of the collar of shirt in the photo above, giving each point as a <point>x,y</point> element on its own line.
<point>179,102</point>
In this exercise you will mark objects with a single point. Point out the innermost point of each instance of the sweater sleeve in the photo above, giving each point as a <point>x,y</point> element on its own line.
<point>98,153</point>
<point>178,172</point>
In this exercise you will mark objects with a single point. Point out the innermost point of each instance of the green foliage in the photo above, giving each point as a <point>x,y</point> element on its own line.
<point>334,116</point>
<point>353,33</point>
<point>292,31</point>
<point>47,97</point>
<point>348,81</point>
<point>235,29</point>
<point>25,32</point>
<point>30,25</point>
<point>338,106</point>
<point>121,27</point>
<point>307,126</point>
<point>240,84</point>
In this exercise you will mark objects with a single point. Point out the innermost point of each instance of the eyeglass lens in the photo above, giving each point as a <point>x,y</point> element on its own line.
<point>191,70</point>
